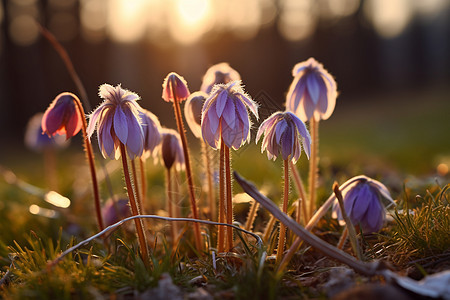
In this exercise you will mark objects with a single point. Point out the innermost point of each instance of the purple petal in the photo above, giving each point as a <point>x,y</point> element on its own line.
<point>229,114</point>
<point>105,140</point>
<point>213,119</point>
<point>362,203</point>
<point>120,125</point>
<point>135,142</point>
<point>73,125</point>
<point>313,87</point>
<point>221,102</point>
<point>280,128</point>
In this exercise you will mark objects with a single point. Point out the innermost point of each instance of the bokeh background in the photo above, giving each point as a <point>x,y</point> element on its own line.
<point>390,58</point>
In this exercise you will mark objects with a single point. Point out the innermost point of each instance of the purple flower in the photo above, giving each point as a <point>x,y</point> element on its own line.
<point>312,92</point>
<point>171,149</point>
<point>113,212</point>
<point>175,86</point>
<point>62,116</point>
<point>117,121</point>
<point>283,133</point>
<point>225,116</point>
<point>151,127</point>
<point>193,112</point>
<point>218,74</point>
<point>362,203</point>
<point>36,140</point>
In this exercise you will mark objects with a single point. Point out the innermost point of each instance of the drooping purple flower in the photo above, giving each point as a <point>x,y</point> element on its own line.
<point>151,127</point>
<point>362,203</point>
<point>117,120</point>
<point>62,116</point>
<point>193,112</point>
<point>175,85</point>
<point>37,141</point>
<point>284,133</point>
<point>225,116</point>
<point>171,149</point>
<point>312,92</point>
<point>220,73</point>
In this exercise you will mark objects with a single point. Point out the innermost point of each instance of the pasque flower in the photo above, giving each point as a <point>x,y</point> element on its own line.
<point>284,133</point>
<point>224,115</point>
<point>220,73</point>
<point>62,116</point>
<point>175,85</point>
<point>151,127</point>
<point>171,149</point>
<point>117,121</point>
<point>312,92</point>
<point>362,203</point>
<point>193,112</point>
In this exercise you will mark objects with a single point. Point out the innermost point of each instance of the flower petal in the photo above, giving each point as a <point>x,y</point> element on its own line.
<point>120,125</point>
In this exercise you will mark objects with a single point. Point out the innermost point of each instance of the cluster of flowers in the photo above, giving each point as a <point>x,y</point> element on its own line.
<point>219,114</point>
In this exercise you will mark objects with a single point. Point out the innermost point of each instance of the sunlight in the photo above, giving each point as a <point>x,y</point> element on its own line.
<point>56,199</point>
<point>389,17</point>
<point>192,18</point>
<point>40,211</point>
<point>126,20</point>
<point>297,19</point>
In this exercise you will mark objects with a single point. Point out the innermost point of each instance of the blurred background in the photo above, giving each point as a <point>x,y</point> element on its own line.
<point>390,58</point>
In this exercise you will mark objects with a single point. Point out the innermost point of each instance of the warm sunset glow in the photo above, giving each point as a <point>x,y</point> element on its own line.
<point>389,17</point>
<point>192,18</point>
<point>126,20</point>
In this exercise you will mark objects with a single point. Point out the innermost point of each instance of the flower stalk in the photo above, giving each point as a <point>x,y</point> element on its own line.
<point>282,236</point>
<point>134,207</point>
<point>181,130</point>
<point>222,204</point>
<point>229,196</point>
<point>313,166</point>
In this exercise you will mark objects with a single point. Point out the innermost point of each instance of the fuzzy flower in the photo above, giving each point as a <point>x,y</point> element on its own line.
<point>362,203</point>
<point>225,115</point>
<point>175,86</point>
<point>312,92</point>
<point>283,134</point>
<point>117,121</point>
<point>62,116</point>
<point>151,127</point>
<point>171,149</point>
<point>36,140</point>
<point>193,112</point>
<point>218,74</point>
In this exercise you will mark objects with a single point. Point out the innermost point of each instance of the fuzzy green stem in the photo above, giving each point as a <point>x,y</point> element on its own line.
<point>90,159</point>
<point>301,192</point>
<point>209,179</point>
<point>190,179</point>
<point>134,207</point>
<point>313,166</point>
<point>229,197</point>
<point>143,180</point>
<point>348,222</point>
<point>222,206</point>
<point>282,237</point>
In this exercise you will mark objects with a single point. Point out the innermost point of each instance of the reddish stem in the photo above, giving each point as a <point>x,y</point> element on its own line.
<point>229,196</point>
<point>134,207</point>
<point>221,233</point>
<point>282,236</point>
<point>90,159</point>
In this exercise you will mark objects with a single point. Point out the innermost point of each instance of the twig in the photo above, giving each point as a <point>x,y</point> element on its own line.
<point>116,225</point>
<point>368,269</point>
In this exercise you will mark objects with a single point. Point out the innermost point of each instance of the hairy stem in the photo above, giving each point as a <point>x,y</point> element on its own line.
<point>170,205</point>
<point>190,179</point>
<point>90,159</point>
<point>140,205</point>
<point>134,207</point>
<point>254,206</point>
<point>221,229</point>
<point>313,164</point>
<point>301,192</point>
<point>229,197</point>
<point>282,236</point>
<point>209,179</point>
<point>143,180</point>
